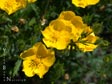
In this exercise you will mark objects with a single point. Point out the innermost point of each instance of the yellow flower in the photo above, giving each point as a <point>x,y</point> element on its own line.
<point>57,34</point>
<point>10,6</point>
<point>60,31</point>
<point>67,27</point>
<point>84,3</point>
<point>37,60</point>
<point>31,1</point>
<point>87,40</point>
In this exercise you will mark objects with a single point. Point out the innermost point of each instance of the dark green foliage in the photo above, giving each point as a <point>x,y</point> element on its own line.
<point>71,67</point>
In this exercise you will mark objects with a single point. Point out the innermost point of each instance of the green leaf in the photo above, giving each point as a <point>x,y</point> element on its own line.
<point>32,22</point>
<point>16,67</point>
<point>59,71</point>
<point>97,28</point>
<point>108,58</point>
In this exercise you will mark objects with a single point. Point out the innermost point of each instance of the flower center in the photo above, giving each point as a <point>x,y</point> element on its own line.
<point>33,64</point>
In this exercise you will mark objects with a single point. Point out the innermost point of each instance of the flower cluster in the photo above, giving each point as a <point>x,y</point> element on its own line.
<point>11,6</point>
<point>59,34</point>
<point>67,27</point>
<point>37,60</point>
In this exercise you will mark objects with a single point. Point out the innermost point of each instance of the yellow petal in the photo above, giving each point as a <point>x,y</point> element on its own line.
<point>47,33</point>
<point>87,29</point>
<point>86,47</point>
<point>32,52</point>
<point>80,3</point>
<point>60,42</point>
<point>11,6</point>
<point>50,37</point>
<point>41,70</point>
<point>49,59</point>
<point>84,3</point>
<point>90,38</point>
<point>78,27</point>
<point>42,51</point>
<point>92,2</point>
<point>77,22</point>
<point>49,42</point>
<point>66,15</point>
<point>28,53</point>
<point>57,25</point>
<point>28,68</point>
<point>31,1</point>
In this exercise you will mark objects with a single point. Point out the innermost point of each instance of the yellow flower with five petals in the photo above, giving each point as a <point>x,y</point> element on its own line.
<point>37,60</point>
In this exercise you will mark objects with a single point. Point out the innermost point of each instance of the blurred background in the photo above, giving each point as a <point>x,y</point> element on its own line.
<point>21,30</point>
